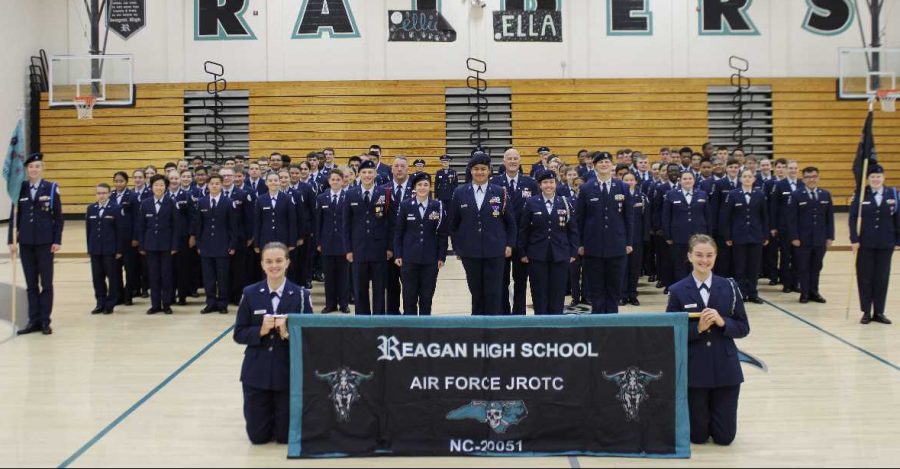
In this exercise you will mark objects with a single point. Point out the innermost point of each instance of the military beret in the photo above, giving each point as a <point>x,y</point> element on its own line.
<point>369,164</point>
<point>446,157</point>
<point>34,157</point>
<point>875,169</point>
<point>419,162</point>
<point>544,175</point>
<point>543,149</point>
<point>600,156</point>
<point>479,158</point>
<point>419,177</point>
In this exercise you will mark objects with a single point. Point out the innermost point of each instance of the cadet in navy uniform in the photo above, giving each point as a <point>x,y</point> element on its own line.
<point>641,204</point>
<point>744,224</point>
<point>548,244</point>
<point>420,246</point>
<point>519,188</point>
<point>157,228</point>
<point>781,197</point>
<point>181,264</point>
<point>397,191</point>
<point>237,271</point>
<point>261,325</point>
<point>128,204</point>
<point>875,244</point>
<point>106,240</point>
<point>39,224</point>
<point>366,238</point>
<point>605,224</point>
<point>484,233</point>
<point>714,372</point>
<point>275,217</point>
<point>445,181</point>
<point>330,239</point>
<point>658,198</point>
<point>686,211</point>
<point>721,189</point>
<point>214,230</point>
<point>810,228</point>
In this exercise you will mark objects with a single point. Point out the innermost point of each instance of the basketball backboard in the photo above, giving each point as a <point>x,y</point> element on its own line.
<point>109,78</point>
<point>863,71</point>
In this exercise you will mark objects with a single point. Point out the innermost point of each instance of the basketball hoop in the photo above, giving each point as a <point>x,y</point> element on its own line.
<point>888,100</point>
<point>85,106</point>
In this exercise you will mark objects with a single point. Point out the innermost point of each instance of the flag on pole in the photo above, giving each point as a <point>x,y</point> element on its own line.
<point>14,164</point>
<point>865,151</point>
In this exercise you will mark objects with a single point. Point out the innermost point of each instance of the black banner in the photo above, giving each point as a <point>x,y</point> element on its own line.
<point>419,26</point>
<point>528,26</point>
<point>126,17</point>
<point>597,385</point>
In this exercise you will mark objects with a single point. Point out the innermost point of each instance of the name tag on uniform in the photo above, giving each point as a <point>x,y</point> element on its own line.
<point>44,198</point>
<point>595,200</point>
<point>149,215</point>
<point>326,206</point>
<point>692,305</point>
<point>204,210</point>
<point>823,202</point>
<point>464,206</point>
<point>259,312</point>
<point>638,205</point>
<point>410,218</point>
<point>93,217</point>
<point>267,207</point>
<point>802,203</point>
<point>676,202</point>
<point>785,193</point>
<point>109,217</point>
<point>738,205</point>
<point>354,204</point>
<point>701,201</point>
<point>25,199</point>
<point>867,203</point>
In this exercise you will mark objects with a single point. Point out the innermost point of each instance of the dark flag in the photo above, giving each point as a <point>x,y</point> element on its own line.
<point>865,151</point>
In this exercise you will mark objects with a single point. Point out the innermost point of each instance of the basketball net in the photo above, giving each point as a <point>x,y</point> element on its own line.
<point>888,99</point>
<point>85,106</point>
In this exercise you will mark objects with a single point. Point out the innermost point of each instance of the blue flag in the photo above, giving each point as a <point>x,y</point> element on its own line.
<point>14,164</point>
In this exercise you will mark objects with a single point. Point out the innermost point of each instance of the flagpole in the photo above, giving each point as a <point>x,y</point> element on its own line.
<point>14,285</point>
<point>864,183</point>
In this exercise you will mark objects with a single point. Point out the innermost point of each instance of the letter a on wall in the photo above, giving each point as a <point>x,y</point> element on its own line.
<point>317,17</point>
<point>216,20</point>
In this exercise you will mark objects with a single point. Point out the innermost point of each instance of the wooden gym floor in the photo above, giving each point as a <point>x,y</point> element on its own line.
<point>138,390</point>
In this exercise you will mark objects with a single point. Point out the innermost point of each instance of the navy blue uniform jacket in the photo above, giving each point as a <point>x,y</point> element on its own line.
<point>742,223</point>
<point>606,226</point>
<point>809,220</point>
<point>712,355</point>
<point>105,235</point>
<point>681,220</point>
<point>881,225</point>
<point>158,232</point>
<point>330,224</point>
<point>267,359</point>
<point>39,221</point>
<point>548,237</point>
<point>367,228</point>
<point>420,240</point>
<point>485,233</point>
<point>216,229</point>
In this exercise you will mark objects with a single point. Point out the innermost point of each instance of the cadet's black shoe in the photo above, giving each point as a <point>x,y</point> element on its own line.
<point>817,298</point>
<point>755,300</point>
<point>659,285</point>
<point>208,310</point>
<point>108,311</point>
<point>46,330</point>
<point>308,285</point>
<point>97,310</point>
<point>223,310</point>
<point>772,283</point>
<point>182,302</point>
<point>29,329</point>
<point>623,302</point>
<point>167,310</point>
<point>129,303</point>
<point>787,290</point>
<point>865,319</point>
<point>345,310</point>
<point>152,311</point>
<point>634,302</point>
<point>881,319</point>
<point>145,295</point>
<point>804,299</point>
<point>327,310</point>
<point>651,278</point>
